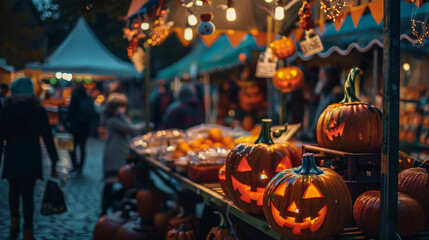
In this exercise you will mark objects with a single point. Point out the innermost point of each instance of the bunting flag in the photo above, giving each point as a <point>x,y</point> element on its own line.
<point>377,10</point>
<point>260,38</point>
<point>235,37</point>
<point>339,21</point>
<point>297,33</point>
<point>209,40</point>
<point>356,13</point>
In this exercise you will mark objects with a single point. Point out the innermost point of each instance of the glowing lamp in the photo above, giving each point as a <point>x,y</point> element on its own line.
<point>199,3</point>
<point>268,1</point>
<point>188,34</point>
<point>58,75</point>
<point>406,67</point>
<point>192,20</point>
<point>231,14</point>
<point>279,13</point>
<point>145,26</point>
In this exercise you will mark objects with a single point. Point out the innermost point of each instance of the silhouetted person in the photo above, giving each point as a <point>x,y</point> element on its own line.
<point>160,99</point>
<point>22,122</point>
<point>79,117</point>
<point>185,112</point>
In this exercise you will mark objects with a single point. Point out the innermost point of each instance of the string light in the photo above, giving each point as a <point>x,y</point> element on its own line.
<point>145,26</point>
<point>192,20</point>
<point>199,3</point>
<point>333,12</point>
<point>268,1</point>
<point>231,15</point>
<point>188,34</point>
<point>279,12</point>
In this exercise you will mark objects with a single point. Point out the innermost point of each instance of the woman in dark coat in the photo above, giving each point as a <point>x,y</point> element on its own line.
<point>79,116</point>
<point>22,122</point>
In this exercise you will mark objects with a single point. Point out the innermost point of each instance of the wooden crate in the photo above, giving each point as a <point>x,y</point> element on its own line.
<point>361,171</point>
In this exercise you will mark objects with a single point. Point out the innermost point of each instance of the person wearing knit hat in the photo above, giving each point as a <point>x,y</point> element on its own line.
<point>22,86</point>
<point>22,122</point>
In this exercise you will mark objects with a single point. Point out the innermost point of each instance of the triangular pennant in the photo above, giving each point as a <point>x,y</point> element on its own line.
<point>180,34</point>
<point>260,38</point>
<point>377,10</point>
<point>297,33</point>
<point>321,24</point>
<point>339,21</point>
<point>235,37</point>
<point>210,39</point>
<point>356,13</point>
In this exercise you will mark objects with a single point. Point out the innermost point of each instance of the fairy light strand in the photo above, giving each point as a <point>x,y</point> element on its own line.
<point>333,11</point>
<point>424,26</point>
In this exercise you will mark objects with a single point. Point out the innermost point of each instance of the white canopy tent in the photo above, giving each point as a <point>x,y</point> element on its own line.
<point>82,52</point>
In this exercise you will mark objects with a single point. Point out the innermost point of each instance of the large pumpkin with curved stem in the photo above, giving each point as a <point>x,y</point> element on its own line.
<point>415,182</point>
<point>288,79</point>
<point>250,166</point>
<point>366,212</point>
<point>181,233</point>
<point>221,232</point>
<point>351,125</point>
<point>307,202</point>
<point>284,47</point>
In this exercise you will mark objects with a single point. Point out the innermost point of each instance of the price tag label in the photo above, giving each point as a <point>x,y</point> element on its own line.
<point>311,45</point>
<point>267,64</point>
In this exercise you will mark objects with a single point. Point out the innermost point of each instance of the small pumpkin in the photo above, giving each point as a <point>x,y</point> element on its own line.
<point>405,161</point>
<point>131,176</point>
<point>251,97</point>
<point>307,202</point>
<point>284,47</point>
<point>134,230</point>
<point>180,233</point>
<point>366,212</point>
<point>148,201</point>
<point>288,79</point>
<point>182,218</point>
<point>249,168</point>
<point>414,182</point>
<point>161,219</point>
<point>221,232</point>
<point>108,225</point>
<point>351,125</point>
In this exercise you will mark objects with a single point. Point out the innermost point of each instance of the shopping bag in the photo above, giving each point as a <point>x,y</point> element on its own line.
<point>64,141</point>
<point>53,199</point>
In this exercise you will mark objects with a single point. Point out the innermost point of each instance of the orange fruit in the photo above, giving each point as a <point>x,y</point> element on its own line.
<point>215,134</point>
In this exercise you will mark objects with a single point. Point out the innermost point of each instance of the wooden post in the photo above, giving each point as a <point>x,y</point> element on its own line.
<point>374,75</point>
<point>147,88</point>
<point>390,144</point>
<point>207,97</point>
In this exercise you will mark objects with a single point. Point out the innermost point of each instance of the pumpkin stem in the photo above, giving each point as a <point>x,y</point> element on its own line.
<point>222,220</point>
<point>265,135</point>
<point>277,133</point>
<point>350,86</point>
<point>308,165</point>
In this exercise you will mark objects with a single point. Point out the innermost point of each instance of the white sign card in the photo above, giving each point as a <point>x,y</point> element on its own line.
<point>267,64</point>
<point>311,45</point>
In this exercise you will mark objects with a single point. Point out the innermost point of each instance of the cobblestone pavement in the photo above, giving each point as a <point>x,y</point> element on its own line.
<point>82,195</point>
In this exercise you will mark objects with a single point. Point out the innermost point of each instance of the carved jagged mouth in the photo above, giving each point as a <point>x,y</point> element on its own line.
<point>335,132</point>
<point>246,193</point>
<point>312,223</point>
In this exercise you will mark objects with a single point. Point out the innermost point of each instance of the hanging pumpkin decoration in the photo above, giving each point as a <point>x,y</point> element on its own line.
<point>108,225</point>
<point>221,232</point>
<point>284,47</point>
<point>206,27</point>
<point>131,176</point>
<point>249,168</point>
<point>405,161</point>
<point>222,179</point>
<point>180,233</point>
<point>366,212</point>
<point>307,202</point>
<point>351,125</point>
<point>305,19</point>
<point>415,183</point>
<point>288,79</point>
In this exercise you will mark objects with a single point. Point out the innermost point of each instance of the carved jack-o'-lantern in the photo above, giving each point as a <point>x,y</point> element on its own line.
<point>284,47</point>
<point>249,168</point>
<point>222,179</point>
<point>307,202</point>
<point>251,97</point>
<point>288,79</point>
<point>351,125</point>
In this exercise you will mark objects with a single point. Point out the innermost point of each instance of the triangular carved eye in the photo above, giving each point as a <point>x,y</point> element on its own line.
<point>292,208</point>
<point>280,190</point>
<point>312,192</point>
<point>284,164</point>
<point>244,166</point>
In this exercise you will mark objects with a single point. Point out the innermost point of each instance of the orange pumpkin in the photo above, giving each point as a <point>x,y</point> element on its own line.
<point>180,234</point>
<point>288,79</point>
<point>405,161</point>
<point>366,212</point>
<point>251,98</point>
<point>222,179</point>
<point>307,202</point>
<point>249,168</point>
<point>131,176</point>
<point>284,47</point>
<point>351,125</point>
<point>221,232</point>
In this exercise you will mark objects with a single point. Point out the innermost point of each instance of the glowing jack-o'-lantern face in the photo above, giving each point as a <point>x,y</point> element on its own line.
<point>288,79</point>
<point>351,125</point>
<point>307,202</point>
<point>249,168</point>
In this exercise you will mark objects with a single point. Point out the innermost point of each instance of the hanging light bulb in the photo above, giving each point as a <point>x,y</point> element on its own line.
<point>268,1</point>
<point>199,3</point>
<point>279,12</point>
<point>192,20</point>
<point>188,34</point>
<point>230,12</point>
<point>145,26</point>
